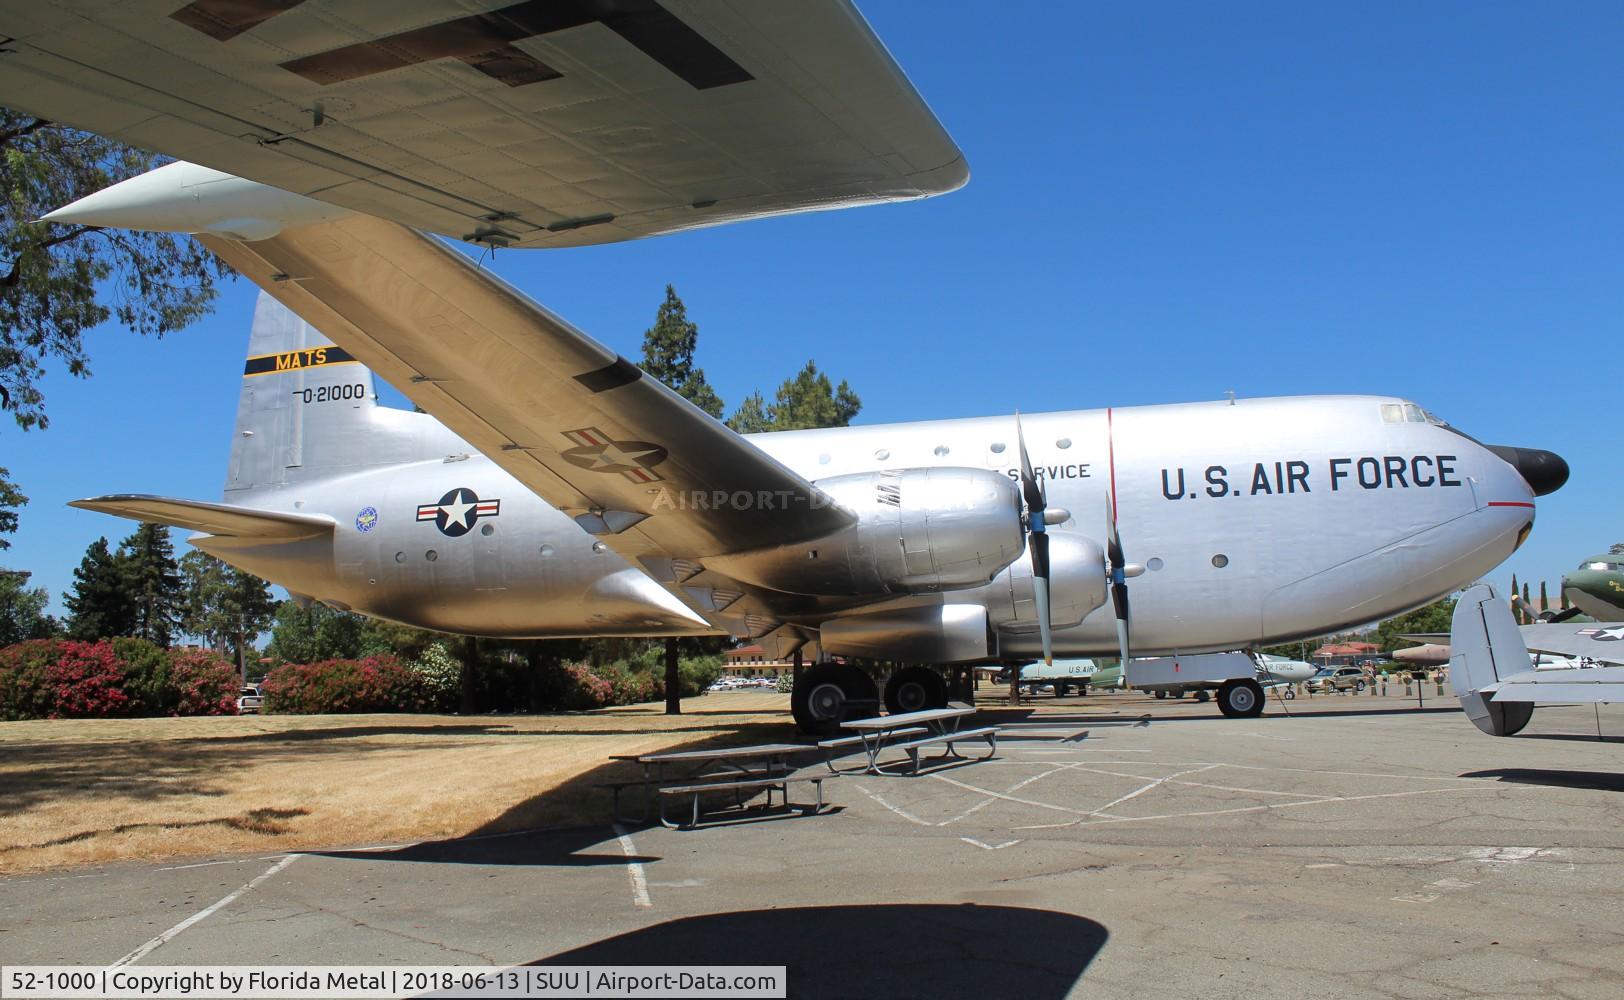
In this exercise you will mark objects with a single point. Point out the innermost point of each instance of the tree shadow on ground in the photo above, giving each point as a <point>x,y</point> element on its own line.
<point>903,950</point>
<point>1600,781</point>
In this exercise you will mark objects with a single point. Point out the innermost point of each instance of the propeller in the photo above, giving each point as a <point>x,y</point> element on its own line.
<point>1119,571</point>
<point>1038,518</point>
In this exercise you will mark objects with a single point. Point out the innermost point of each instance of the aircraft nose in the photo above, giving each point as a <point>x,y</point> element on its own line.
<point>1543,471</point>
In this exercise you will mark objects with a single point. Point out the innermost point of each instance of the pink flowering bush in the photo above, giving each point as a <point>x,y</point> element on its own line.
<point>70,679</point>
<point>87,682</point>
<point>203,682</point>
<point>372,684</point>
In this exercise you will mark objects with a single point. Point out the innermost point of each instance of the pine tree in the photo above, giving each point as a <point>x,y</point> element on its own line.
<point>810,400</point>
<point>751,417</point>
<point>99,606</point>
<point>224,605</point>
<point>153,583</point>
<point>668,355</point>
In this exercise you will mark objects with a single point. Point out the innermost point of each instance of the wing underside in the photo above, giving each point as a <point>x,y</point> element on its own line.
<point>538,123</point>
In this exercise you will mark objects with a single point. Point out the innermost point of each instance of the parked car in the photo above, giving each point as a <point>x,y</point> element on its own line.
<point>249,700</point>
<point>1337,679</point>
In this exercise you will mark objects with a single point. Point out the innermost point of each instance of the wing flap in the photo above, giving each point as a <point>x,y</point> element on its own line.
<point>222,519</point>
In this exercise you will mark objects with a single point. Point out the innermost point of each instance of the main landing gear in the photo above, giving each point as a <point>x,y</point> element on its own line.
<point>830,692</point>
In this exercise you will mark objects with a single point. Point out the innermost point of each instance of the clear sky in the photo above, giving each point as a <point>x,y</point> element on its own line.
<point>1167,201</point>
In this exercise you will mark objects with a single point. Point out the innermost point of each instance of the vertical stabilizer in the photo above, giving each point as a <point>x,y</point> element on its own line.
<point>308,410</point>
<point>1485,648</point>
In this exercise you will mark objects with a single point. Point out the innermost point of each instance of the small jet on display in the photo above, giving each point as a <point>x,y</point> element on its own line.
<point>550,488</point>
<point>1492,675</point>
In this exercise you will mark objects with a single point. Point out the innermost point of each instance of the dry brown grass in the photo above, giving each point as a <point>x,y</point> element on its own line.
<point>89,791</point>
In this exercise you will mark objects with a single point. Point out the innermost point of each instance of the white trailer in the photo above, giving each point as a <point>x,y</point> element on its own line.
<point>1233,676</point>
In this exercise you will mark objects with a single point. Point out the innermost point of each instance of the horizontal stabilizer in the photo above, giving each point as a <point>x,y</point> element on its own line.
<point>213,518</point>
<point>1604,685</point>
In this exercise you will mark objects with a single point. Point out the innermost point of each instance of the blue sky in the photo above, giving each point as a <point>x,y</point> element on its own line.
<point>1167,201</point>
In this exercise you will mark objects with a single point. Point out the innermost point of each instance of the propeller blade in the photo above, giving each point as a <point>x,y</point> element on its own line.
<point>1119,578</point>
<point>1031,489</point>
<point>1039,542</point>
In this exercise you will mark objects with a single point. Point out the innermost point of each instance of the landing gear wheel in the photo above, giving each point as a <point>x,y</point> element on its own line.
<point>1160,695</point>
<point>1241,699</point>
<point>1202,695</point>
<point>914,689</point>
<point>1291,693</point>
<point>818,702</point>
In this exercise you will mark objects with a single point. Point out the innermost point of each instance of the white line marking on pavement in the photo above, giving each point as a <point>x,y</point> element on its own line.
<point>634,869</point>
<point>905,814</point>
<point>989,847</point>
<point>1145,788</point>
<point>1015,788</point>
<point>202,914</point>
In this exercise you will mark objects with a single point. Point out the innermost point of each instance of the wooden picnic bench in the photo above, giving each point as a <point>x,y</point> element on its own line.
<point>779,784</point>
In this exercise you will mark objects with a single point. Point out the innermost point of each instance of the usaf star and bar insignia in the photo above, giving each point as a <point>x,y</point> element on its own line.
<point>1612,633</point>
<point>458,511</point>
<point>595,451</point>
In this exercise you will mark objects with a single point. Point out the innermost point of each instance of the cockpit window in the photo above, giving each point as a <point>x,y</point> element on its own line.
<point>1392,413</point>
<point>1414,414</point>
<point>1605,567</point>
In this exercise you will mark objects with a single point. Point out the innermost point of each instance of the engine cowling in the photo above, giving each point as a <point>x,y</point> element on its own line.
<point>918,531</point>
<point>1077,585</point>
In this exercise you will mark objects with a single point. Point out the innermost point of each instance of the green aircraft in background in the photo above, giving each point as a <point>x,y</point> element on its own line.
<point>1597,587</point>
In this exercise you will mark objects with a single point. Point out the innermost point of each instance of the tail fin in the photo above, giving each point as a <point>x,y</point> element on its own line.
<point>1485,649</point>
<point>309,410</point>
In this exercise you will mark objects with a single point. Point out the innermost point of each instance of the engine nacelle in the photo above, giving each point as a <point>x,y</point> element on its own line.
<point>945,633</point>
<point>1076,586</point>
<point>918,531</point>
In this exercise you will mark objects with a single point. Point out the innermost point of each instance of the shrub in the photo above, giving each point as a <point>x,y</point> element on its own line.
<point>584,690</point>
<point>145,668</point>
<point>372,684</point>
<point>202,683</point>
<point>440,675</point>
<point>25,689</point>
<point>87,681</point>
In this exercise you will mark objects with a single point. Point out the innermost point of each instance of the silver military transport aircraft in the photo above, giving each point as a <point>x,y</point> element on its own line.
<point>551,489</point>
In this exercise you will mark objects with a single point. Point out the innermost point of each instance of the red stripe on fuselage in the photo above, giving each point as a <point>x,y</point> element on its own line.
<point>1511,503</point>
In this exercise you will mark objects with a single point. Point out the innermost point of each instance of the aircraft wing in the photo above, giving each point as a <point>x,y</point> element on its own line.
<point>228,520</point>
<point>584,429</point>
<point>509,122</point>
<point>1592,640</point>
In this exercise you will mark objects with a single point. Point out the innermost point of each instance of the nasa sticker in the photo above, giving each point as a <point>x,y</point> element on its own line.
<point>366,520</point>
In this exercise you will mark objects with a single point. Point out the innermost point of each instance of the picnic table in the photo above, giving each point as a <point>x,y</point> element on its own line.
<point>741,763</point>
<point>872,733</point>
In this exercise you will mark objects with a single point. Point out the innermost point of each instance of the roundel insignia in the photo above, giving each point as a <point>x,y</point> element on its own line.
<point>597,452</point>
<point>458,511</point>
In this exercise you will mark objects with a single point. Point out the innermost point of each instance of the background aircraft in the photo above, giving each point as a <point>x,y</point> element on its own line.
<point>1597,587</point>
<point>1491,673</point>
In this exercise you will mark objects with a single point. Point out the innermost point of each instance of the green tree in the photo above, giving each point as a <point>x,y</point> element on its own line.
<point>668,354</point>
<point>11,498</point>
<point>153,582</point>
<point>99,605</point>
<point>751,417</point>
<point>58,281</point>
<point>315,632</point>
<point>22,610</point>
<point>808,400</point>
<point>225,606</point>
<point>1616,549</point>
<point>1434,618</point>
